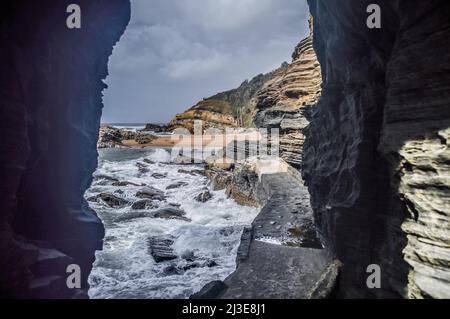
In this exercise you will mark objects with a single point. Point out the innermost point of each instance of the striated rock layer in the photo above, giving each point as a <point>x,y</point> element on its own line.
<point>285,101</point>
<point>50,108</point>
<point>226,109</point>
<point>376,157</point>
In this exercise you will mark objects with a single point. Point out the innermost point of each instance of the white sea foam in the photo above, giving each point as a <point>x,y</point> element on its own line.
<point>125,269</point>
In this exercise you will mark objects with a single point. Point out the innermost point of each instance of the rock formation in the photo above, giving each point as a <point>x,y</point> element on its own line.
<point>284,102</point>
<point>51,83</point>
<point>376,158</point>
<point>226,109</point>
<point>111,137</point>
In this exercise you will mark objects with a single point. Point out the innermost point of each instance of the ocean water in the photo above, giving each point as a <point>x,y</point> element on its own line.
<point>125,268</point>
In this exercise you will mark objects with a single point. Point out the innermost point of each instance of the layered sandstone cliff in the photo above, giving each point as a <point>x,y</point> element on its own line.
<point>223,110</point>
<point>376,158</point>
<point>285,101</point>
<point>51,82</point>
<point>280,100</point>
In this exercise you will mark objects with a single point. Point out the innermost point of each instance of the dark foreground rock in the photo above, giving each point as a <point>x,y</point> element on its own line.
<point>377,150</point>
<point>51,84</point>
<point>325,287</point>
<point>210,291</point>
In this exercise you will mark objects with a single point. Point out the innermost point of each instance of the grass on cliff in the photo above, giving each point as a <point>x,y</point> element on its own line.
<point>217,106</point>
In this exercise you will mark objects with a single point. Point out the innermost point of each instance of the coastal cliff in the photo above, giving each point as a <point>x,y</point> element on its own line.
<point>226,109</point>
<point>285,101</point>
<point>51,83</point>
<point>281,99</point>
<point>377,149</point>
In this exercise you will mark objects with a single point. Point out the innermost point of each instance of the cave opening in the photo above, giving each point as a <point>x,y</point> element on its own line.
<point>169,227</point>
<point>374,158</point>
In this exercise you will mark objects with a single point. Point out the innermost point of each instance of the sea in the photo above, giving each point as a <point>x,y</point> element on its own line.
<point>125,268</point>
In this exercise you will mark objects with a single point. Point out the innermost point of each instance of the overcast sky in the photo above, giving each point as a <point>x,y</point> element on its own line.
<point>176,52</point>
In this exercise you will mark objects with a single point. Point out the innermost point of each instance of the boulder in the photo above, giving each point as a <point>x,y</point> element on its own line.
<point>144,204</point>
<point>210,291</point>
<point>159,175</point>
<point>110,199</point>
<point>134,215</point>
<point>176,185</point>
<point>124,183</point>
<point>203,197</point>
<point>160,249</point>
<point>170,212</point>
<point>151,193</point>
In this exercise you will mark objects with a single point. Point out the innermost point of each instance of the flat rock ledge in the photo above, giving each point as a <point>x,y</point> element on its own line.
<point>280,255</point>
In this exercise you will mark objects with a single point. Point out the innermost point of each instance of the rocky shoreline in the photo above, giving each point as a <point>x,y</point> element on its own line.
<point>283,232</point>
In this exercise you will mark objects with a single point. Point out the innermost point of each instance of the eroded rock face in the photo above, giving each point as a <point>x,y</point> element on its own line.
<point>376,157</point>
<point>51,82</point>
<point>285,101</point>
<point>224,110</point>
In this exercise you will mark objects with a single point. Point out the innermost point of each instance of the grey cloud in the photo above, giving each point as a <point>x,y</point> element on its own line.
<point>176,52</point>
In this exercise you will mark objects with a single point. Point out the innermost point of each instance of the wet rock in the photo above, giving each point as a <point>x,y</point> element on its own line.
<point>192,172</point>
<point>92,199</point>
<point>326,285</point>
<point>203,197</point>
<point>106,178</point>
<point>159,175</point>
<point>103,180</point>
<point>243,187</point>
<point>170,213</point>
<point>244,247</point>
<point>124,183</point>
<point>151,193</point>
<point>220,179</point>
<point>210,291</point>
<point>147,161</point>
<point>144,204</point>
<point>188,255</point>
<point>172,270</point>
<point>134,215</point>
<point>210,264</point>
<point>160,249</point>
<point>110,199</point>
<point>191,266</point>
<point>142,168</point>
<point>176,185</point>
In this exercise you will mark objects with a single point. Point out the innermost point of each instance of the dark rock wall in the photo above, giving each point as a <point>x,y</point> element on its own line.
<point>50,108</point>
<point>376,157</point>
